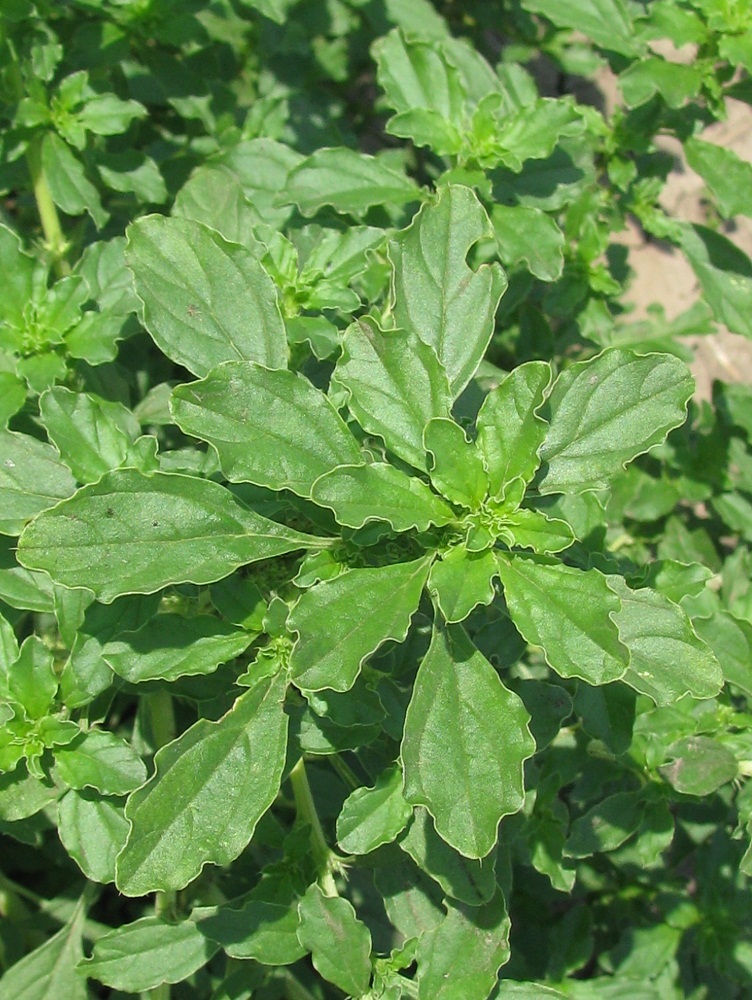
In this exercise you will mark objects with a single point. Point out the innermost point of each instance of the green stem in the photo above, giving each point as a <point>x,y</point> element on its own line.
<point>55,240</point>
<point>345,772</point>
<point>322,855</point>
<point>294,990</point>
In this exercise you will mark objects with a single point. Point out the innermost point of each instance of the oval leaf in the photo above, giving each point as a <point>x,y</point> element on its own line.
<point>135,534</point>
<point>466,739</point>
<point>374,816</point>
<point>205,300</point>
<point>339,943</point>
<point>176,827</point>
<point>32,478</point>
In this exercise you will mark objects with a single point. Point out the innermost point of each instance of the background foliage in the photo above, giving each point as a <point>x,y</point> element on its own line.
<point>376,616</point>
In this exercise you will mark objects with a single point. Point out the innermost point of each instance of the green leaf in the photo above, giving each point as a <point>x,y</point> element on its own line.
<point>214,196</point>
<point>609,23</point>
<point>527,235</point>
<point>568,612</point>
<point>264,928</point>
<point>50,970</point>
<point>100,760</point>
<point>465,741</point>
<point>89,432</point>
<point>536,531</point>
<point>349,181</point>
<point>461,580</point>
<point>380,492</point>
<point>434,292</point>
<point>470,880</point>
<point>395,385</point>
<point>606,411</point>
<point>667,659</point>
<point>413,902</point>
<point>371,817</point>
<point>730,639</point>
<point>176,828</point>
<point>606,825</point>
<point>699,765</point>
<point>510,432</point>
<point>140,956</point>
<point>460,959</point>
<point>12,396</point>
<point>417,74</point>
<point>134,534</point>
<point>653,75</point>
<point>71,189</point>
<point>132,172</point>
<point>725,275</point>
<point>32,478</point>
<point>23,795</point>
<point>204,300</point>
<point>531,133</point>
<point>93,830</point>
<point>342,621</point>
<point>32,680</point>
<point>171,646</point>
<point>18,283</point>
<point>608,713</point>
<point>339,943</point>
<point>272,428</point>
<point>725,173</point>
<point>457,471</point>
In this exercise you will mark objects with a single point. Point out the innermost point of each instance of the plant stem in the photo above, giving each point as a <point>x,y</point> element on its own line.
<point>162,717</point>
<point>306,808</point>
<point>53,232</point>
<point>345,772</point>
<point>294,989</point>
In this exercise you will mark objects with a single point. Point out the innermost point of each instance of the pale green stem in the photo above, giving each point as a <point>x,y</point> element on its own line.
<point>322,855</point>
<point>54,238</point>
<point>294,990</point>
<point>345,772</point>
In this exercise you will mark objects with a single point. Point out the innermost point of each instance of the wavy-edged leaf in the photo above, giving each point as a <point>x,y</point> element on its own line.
<point>176,827</point>
<point>32,478</point>
<point>605,412</point>
<point>371,817</point>
<point>568,612</point>
<point>342,621</point>
<point>529,235</point>
<point>339,943</point>
<point>461,580</point>
<point>205,300</point>
<point>100,760</point>
<point>457,471</point>
<point>93,830</point>
<point>349,181</point>
<point>169,646</point>
<point>667,659</point>
<point>269,427</point>
<point>608,22</point>
<point>533,530</point>
<point>726,174</point>
<point>510,432</point>
<point>465,741</point>
<point>725,275</point>
<point>140,956</point>
<point>395,384</point>
<point>381,492</point>
<point>730,638</point>
<point>434,292</point>
<point>135,534</point>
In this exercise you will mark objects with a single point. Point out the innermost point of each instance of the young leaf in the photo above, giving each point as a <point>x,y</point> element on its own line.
<point>344,620</point>
<point>18,269</point>
<point>568,612</point>
<point>380,492</point>
<point>699,765</point>
<point>176,828</point>
<point>606,411</point>
<point>272,428</point>
<point>146,953</point>
<point>339,943</point>
<point>134,534</point>
<point>87,431</point>
<point>71,189</point>
<point>608,22</point>
<point>461,580</point>
<point>457,471</point>
<point>50,970</point>
<point>31,678</point>
<point>349,181</point>
<point>461,957</point>
<point>204,300</point>
<point>606,825</point>
<point>32,478</point>
<point>510,432</point>
<point>93,830</point>
<point>395,384</point>
<point>171,646</point>
<point>726,174</point>
<point>374,816</point>
<point>533,530</point>
<point>465,741</point>
<point>528,235</point>
<point>667,659</point>
<point>434,292</point>
<point>100,760</point>
<point>730,639</point>
<point>470,880</point>
<point>214,196</point>
<point>725,275</point>
<point>264,928</point>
